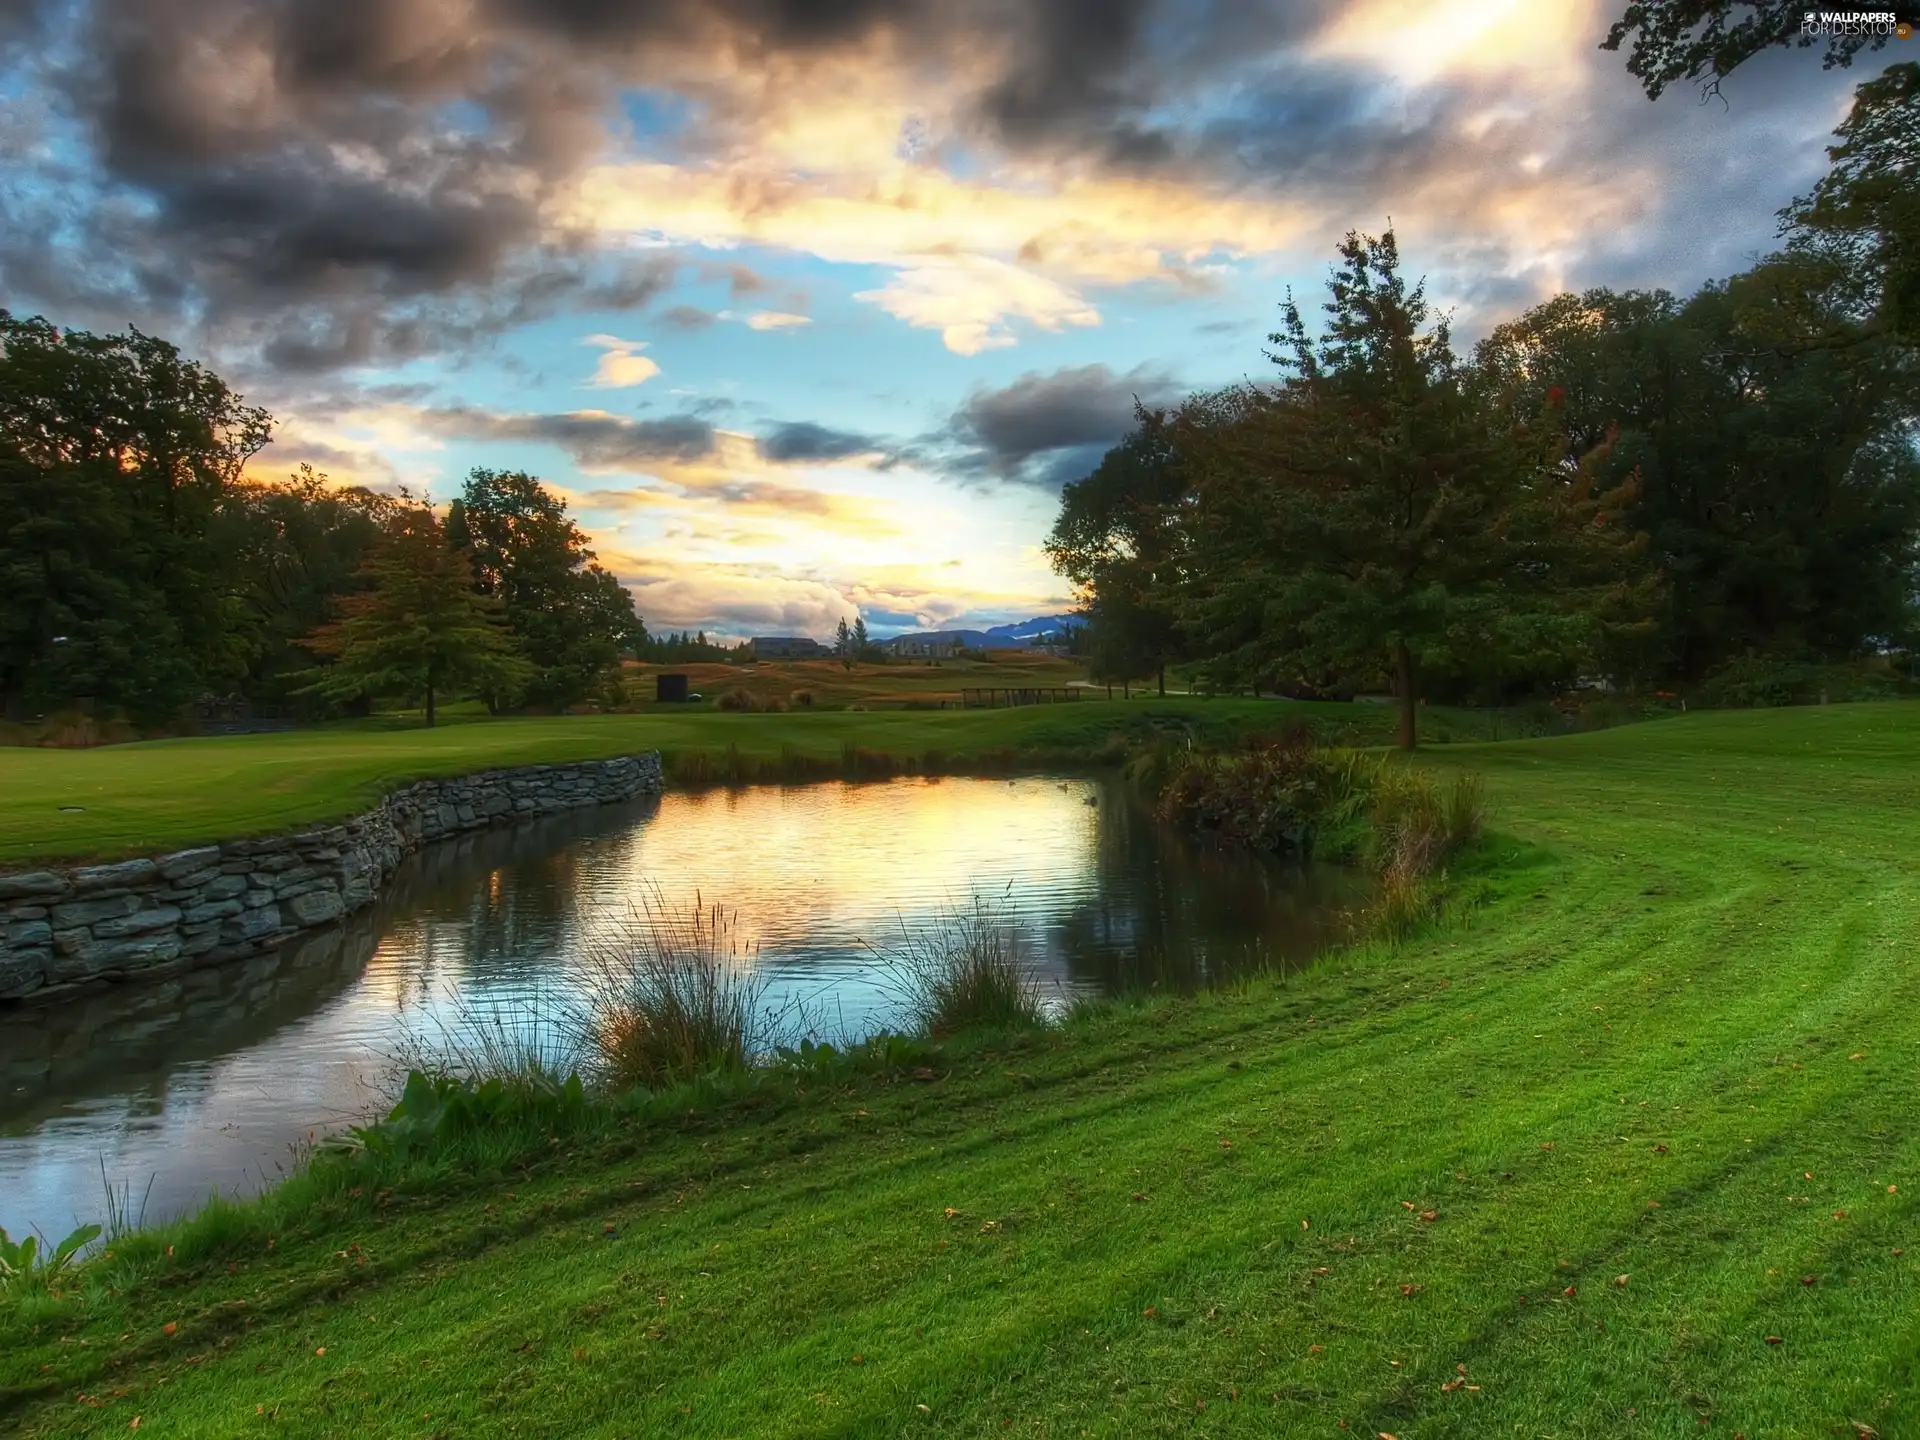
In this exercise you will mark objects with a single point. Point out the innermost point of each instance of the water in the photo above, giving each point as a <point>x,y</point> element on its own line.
<point>209,1081</point>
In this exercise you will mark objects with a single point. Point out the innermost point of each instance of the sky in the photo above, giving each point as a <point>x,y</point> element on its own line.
<point>809,307</point>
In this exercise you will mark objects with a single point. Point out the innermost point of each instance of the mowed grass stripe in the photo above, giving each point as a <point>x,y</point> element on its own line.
<point>1781,937</point>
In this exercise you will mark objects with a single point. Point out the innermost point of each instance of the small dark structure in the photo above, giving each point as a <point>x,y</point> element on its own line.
<point>670,689</point>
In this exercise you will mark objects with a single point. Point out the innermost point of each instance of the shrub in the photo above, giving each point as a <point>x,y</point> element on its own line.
<point>801,699</point>
<point>737,698</point>
<point>1763,680</point>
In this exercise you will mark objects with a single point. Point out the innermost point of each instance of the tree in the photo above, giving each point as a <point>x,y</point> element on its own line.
<point>1774,474</point>
<point>419,631</point>
<point>572,618</point>
<point>118,459</point>
<point>1707,40</point>
<point>1367,516</point>
<point>1117,538</point>
<point>863,648</point>
<point>1863,217</point>
<point>843,643</point>
<point>300,544</point>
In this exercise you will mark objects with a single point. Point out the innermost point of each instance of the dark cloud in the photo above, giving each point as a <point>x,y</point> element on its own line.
<point>802,440</point>
<point>1045,429</point>
<point>595,440</point>
<point>687,317</point>
<point>323,184</point>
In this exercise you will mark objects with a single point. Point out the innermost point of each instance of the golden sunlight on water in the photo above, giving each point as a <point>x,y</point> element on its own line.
<point>205,1081</point>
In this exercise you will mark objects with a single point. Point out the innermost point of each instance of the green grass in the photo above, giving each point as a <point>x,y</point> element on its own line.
<point>1674,1041</point>
<point>140,798</point>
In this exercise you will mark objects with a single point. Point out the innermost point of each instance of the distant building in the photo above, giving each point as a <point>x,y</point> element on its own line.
<point>924,647</point>
<point>785,647</point>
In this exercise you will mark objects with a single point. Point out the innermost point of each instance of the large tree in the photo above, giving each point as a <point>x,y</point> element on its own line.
<point>574,620</point>
<point>1117,539</point>
<point>117,460</point>
<point>1775,473</point>
<point>1368,515</point>
<point>419,632</point>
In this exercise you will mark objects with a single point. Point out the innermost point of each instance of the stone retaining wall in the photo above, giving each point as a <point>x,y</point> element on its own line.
<point>215,903</point>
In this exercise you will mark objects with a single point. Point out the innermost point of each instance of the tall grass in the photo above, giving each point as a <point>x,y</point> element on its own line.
<point>967,972</point>
<point>671,996</point>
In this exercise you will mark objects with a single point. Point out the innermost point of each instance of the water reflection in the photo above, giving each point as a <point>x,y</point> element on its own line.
<point>206,1080</point>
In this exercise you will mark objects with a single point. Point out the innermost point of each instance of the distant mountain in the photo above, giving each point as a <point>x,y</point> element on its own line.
<point>1040,630</point>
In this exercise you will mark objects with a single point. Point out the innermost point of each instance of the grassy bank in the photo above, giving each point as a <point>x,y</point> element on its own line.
<point>131,799</point>
<point>1626,1150</point>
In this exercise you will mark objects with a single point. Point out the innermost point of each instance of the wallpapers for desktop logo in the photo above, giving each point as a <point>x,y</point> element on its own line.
<point>1861,24</point>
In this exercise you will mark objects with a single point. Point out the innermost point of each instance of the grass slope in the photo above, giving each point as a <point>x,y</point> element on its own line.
<point>139,798</point>
<point>1676,1044</point>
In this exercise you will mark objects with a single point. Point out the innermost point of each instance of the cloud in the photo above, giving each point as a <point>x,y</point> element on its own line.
<point>687,317</point>
<point>776,320</point>
<point>969,298</point>
<point>1045,429</point>
<point>802,440</point>
<point>596,439</point>
<point>621,365</point>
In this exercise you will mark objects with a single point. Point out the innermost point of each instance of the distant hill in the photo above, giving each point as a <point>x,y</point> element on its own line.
<point>1040,630</point>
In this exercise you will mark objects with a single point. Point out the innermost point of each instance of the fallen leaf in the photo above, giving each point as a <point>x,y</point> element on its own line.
<point>1322,1270</point>
<point>1429,1215</point>
<point>1773,1339</point>
<point>924,1409</point>
<point>1314,1350</point>
<point>1659,1149</point>
<point>1411,1289</point>
<point>1304,1225</point>
<point>1570,1292</point>
<point>859,1359</point>
<point>1546,1145</point>
<point>1893,1189</point>
<point>134,1424</point>
<point>1620,1279</point>
<point>1452,1385</point>
<point>1408,1204</point>
<point>321,1350</point>
<point>1139,1195</point>
<point>168,1328</point>
<point>1148,1311</point>
<point>952,1213</point>
<point>1839,1214</point>
<point>1858,1055</point>
<point>1807,1279</point>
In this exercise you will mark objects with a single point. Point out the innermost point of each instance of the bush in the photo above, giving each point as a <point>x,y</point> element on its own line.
<point>801,699</point>
<point>1755,681</point>
<point>737,699</point>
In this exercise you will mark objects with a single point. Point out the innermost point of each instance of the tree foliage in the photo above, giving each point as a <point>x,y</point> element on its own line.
<point>573,620</point>
<point>1364,517</point>
<point>117,459</point>
<point>1707,40</point>
<point>419,632</point>
<point>1117,538</point>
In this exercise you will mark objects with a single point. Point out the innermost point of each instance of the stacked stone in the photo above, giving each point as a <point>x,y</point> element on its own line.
<point>216,903</point>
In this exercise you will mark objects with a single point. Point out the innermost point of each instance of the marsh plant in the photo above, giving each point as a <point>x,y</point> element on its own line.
<point>1296,798</point>
<point>669,995</point>
<point>966,971</point>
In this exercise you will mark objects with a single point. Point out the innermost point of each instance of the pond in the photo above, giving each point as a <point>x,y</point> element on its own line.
<point>211,1080</point>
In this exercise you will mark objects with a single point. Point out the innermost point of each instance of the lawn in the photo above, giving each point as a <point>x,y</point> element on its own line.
<point>1625,1149</point>
<point>133,799</point>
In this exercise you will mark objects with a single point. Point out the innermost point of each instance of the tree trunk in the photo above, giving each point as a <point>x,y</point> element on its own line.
<point>1126,689</point>
<point>1163,682</point>
<point>429,704</point>
<point>1403,667</point>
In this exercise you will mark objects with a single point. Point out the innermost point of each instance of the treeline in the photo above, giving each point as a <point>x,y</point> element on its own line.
<point>1624,485</point>
<point>141,572</point>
